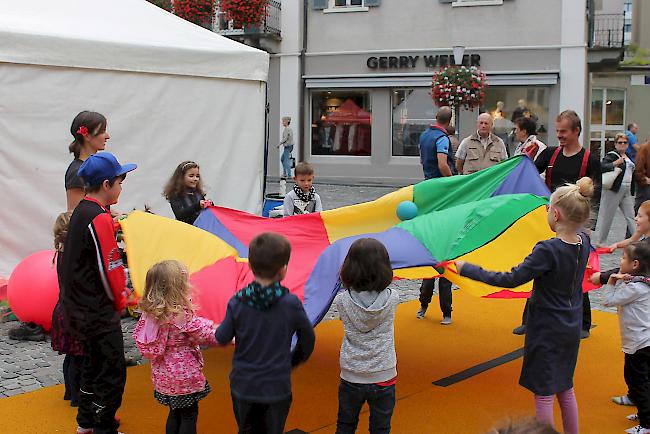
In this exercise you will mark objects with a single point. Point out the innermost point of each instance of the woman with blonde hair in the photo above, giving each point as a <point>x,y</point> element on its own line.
<point>620,194</point>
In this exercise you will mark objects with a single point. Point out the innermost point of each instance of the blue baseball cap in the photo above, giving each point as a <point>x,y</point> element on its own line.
<point>102,166</point>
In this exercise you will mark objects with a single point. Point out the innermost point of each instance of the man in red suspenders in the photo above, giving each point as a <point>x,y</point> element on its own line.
<point>566,164</point>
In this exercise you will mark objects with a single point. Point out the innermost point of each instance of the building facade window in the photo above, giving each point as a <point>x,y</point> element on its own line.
<point>607,118</point>
<point>346,3</point>
<point>627,22</point>
<point>460,3</point>
<point>341,122</point>
<point>413,112</point>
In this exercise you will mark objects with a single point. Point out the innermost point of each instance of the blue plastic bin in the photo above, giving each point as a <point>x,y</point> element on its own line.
<point>271,200</point>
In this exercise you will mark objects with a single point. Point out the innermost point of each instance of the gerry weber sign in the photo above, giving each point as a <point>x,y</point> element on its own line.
<point>439,60</point>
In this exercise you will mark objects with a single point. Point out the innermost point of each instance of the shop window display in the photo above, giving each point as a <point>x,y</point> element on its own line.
<point>507,103</point>
<point>341,123</point>
<point>413,112</point>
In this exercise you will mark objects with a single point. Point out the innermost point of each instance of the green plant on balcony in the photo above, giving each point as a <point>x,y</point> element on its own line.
<point>244,13</point>
<point>638,56</point>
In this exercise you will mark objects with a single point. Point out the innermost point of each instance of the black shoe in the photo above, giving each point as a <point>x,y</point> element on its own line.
<point>521,330</point>
<point>27,331</point>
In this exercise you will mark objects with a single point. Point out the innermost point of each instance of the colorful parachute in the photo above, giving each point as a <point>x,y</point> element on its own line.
<point>492,218</point>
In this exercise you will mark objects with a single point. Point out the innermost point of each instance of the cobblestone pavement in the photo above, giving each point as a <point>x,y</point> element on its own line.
<point>27,366</point>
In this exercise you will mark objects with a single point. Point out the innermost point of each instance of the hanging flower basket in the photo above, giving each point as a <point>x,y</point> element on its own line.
<point>244,12</point>
<point>199,12</point>
<point>459,86</point>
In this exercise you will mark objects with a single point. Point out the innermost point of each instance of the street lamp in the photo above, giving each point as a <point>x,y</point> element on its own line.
<point>458,50</point>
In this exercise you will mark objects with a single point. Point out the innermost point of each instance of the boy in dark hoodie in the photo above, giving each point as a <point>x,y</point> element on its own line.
<point>263,317</point>
<point>368,360</point>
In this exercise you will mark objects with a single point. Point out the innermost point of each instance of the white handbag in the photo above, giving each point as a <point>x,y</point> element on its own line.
<point>609,177</point>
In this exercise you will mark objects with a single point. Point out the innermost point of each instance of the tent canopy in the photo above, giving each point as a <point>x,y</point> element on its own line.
<point>349,112</point>
<point>171,91</point>
<point>126,35</point>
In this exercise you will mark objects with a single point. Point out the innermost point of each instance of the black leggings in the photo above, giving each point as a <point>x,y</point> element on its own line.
<point>183,420</point>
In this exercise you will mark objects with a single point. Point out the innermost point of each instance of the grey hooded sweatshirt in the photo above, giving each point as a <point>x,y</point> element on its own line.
<point>368,347</point>
<point>633,302</point>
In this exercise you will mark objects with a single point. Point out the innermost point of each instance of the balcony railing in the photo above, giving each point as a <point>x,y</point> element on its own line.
<point>607,31</point>
<point>269,27</point>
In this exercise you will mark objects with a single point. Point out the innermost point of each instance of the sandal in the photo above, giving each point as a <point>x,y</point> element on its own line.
<point>622,400</point>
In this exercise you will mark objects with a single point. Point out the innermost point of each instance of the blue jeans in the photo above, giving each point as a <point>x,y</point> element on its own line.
<point>286,160</point>
<point>381,400</point>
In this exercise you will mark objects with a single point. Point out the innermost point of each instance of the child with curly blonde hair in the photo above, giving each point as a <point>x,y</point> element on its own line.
<point>170,334</point>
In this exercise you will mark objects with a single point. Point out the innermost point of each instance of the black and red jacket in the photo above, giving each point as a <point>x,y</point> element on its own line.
<point>93,273</point>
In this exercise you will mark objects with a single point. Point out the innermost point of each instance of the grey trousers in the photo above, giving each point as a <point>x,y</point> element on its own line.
<point>609,202</point>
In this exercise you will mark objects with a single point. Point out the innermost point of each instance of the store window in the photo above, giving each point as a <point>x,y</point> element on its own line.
<point>347,3</point>
<point>341,122</point>
<point>413,112</point>
<point>507,103</point>
<point>607,118</point>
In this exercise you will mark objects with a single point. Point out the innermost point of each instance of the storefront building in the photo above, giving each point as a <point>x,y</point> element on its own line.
<point>621,96</point>
<point>360,94</point>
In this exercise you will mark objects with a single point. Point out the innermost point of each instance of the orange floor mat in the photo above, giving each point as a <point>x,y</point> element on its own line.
<point>426,352</point>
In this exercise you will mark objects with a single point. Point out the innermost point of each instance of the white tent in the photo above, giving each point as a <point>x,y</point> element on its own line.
<point>171,91</point>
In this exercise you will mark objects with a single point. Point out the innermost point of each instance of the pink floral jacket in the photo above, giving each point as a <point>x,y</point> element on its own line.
<point>173,347</point>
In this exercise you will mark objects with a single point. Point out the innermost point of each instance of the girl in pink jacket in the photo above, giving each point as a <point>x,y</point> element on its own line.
<point>169,334</point>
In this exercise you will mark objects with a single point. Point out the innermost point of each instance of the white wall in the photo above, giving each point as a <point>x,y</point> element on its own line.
<point>289,78</point>
<point>430,24</point>
<point>573,58</point>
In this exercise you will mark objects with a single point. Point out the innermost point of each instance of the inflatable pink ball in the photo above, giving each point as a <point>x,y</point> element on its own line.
<point>33,289</point>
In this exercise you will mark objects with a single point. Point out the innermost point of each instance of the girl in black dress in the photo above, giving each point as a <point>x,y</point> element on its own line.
<point>556,267</point>
<point>185,193</point>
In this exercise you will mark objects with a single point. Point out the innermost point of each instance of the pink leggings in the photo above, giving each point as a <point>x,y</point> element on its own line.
<point>568,406</point>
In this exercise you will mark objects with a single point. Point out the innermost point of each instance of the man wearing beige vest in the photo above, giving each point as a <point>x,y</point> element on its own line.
<point>480,150</point>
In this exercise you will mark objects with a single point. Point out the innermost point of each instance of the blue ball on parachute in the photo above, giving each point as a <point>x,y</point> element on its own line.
<point>407,210</point>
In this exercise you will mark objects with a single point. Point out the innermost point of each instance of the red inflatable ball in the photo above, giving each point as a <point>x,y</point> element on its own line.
<point>33,289</point>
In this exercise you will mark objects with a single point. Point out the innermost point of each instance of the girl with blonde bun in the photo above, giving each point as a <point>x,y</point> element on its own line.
<point>556,267</point>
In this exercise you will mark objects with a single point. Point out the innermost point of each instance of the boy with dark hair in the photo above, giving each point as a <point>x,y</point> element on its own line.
<point>263,317</point>
<point>303,199</point>
<point>95,294</point>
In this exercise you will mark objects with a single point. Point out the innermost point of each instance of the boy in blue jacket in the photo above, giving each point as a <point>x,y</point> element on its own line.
<point>263,317</point>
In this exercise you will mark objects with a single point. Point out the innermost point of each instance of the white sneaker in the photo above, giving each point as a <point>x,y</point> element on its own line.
<point>446,320</point>
<point>421,312</point>
<point>633,417</point>
<point>638,430</point>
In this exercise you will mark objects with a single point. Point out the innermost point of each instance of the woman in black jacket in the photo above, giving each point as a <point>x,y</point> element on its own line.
<point>622,191</point>
<point>185,193</point>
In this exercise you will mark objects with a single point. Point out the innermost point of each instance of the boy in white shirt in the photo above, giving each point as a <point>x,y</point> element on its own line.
<point>303,199</point>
